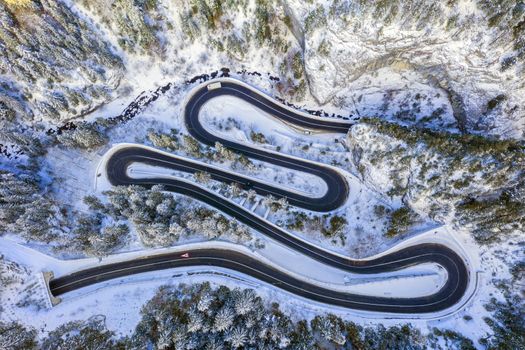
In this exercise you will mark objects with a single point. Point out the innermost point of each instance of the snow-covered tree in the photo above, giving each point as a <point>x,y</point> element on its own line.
<point>268,201</point>
<point>223,319</point>
<point>237,337</point>
<point>280,204</point>
<point>330,327</point>
<point>244,301</point>
<point>244,162</point>
<point>176,230</point>
<point>201,317</point>
<point>6,113</point>
<point>251,195</point>
<point>160,220</point>
<point>238,230</point>
<point>156,234</point>
<point>114,236</point>
<point>214,344</point>
<point>93,202</point>
<point>224,153</point>
<point>91,237</point>
<point>192,146</point>
<point>234,189</point>
<point>85,135</point>
<point>27,143</point>
<point>16,337</point>
<point>89,335</point>
<point>196,321</point>
<point>202,177</point>
<point>168,141</point>
<point>35,223</point>
<point>205,300</point>
<point>166,207</point>
<point>24,209</point>
<point>165,333</point>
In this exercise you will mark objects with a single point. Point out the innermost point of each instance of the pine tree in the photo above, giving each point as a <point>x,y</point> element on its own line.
<point>301,337</point>
<point>164,338</point>
<point>85,135</point>
<point>223,319</point>
<point>16,337</point>
<point>213,343</point>
<point>244,301</point>
<point>205,300</point>
<point>330,327</point>
<point>195,321</point>
<point>89,335</point>
<point>237,336</point>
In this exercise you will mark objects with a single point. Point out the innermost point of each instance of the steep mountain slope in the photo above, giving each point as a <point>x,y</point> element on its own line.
<point>54,65</point>
<point>436,88</point>
<point>469,52</point>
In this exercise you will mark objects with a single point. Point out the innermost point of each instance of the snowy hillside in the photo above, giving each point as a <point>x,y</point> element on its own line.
<point>433,94</point>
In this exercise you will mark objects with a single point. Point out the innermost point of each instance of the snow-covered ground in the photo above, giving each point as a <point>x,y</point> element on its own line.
<point>166,113</point>
<point>86,176</point>
<point>120,300</point>
<point>428,65</point>
<point>129,293</point>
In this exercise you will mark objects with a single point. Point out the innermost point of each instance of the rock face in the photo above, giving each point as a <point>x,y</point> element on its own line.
<point>53,65</point>
<point>449,48</point>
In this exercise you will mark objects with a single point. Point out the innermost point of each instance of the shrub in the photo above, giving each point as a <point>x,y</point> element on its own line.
<point>168,141</point>
<point>496,101</point>
<point>508,324</point>
<point>257,137</point>
<point>400,221</point>
<point>336,225</point>
<point>315,19</point>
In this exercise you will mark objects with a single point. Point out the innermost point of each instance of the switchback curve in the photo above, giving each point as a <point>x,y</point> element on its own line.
<point>117,164</point>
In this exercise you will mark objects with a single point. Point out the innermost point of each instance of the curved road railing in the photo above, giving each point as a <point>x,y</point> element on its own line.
<point>118,163</point>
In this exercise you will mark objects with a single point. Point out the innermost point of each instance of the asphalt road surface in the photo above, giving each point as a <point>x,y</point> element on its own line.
<point>337,185</point>
<point>116,168</point>
<point>233,260</point>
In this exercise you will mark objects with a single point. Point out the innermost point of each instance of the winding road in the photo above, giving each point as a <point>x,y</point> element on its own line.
<point>337,192</point>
